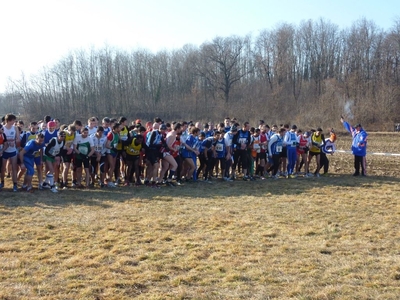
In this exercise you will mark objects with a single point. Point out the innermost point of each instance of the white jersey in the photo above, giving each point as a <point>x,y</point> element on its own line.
<point>228,137</point>
<point>92,131</point>
<point>184,137</point>
<point>256,143</point>
<point>83,144</point>
<point>56,149</point>
<point>99,144</point>
<point>11,135</point>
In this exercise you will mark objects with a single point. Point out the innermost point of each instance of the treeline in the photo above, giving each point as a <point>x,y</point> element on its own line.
<point>308,74</point>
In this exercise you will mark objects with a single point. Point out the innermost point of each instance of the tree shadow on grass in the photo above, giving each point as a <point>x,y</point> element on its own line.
<point>192,191</point>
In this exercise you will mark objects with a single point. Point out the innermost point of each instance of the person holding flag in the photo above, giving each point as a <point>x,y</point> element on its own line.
<point>358,147</point>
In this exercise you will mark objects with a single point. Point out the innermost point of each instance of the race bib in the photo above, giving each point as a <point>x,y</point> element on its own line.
<point>134,151</point>
<point>279,149</point>
<point>219,147</point>
<point>84,150</point>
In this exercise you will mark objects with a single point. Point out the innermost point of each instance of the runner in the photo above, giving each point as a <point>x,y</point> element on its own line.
<point>154,143</point>
<point>302,151</point>
<point>3,146</point>
<point>189,151</point>
<point>317,141</point>
<point>168,162</point>
<point>210,155</point>
<point>133,149</point>
<point>67,155</point>
<point>242,142</point>
<point>275,147</point>
<point>27,156</point>
<point>98,159</point>
<point>92,125</point>
<point>52,150</point>
<point>10,152</point>
<point>111,145</point>
<point>173,140</point>
<point>228,137</point>
<point>124,135</point>
<point>291,143</point>
<point>83,149</point>
<point>328,148</point>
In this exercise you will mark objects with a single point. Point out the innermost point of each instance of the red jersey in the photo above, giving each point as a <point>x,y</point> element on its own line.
<point>263,139</point>
<point>176,145</point>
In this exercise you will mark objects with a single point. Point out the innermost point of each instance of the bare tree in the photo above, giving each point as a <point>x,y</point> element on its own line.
<point>219,63</point>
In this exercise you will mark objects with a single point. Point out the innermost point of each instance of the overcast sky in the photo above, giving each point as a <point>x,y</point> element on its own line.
<point>38,33</point>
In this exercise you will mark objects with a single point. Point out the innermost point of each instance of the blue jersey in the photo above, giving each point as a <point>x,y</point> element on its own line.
<point>31,149</point>
<point>208,133</point>
<point>242,137</point>
<point>48,136</point>
<point>106,131</point>
<point>202,145</point>
<point>154,139</point>
<point>276,144</point>
<point>192,142</point>
<point>220,148</point>
<point>27,137</point>
<point>196,146</point>
<point>291,139</point>
<point>207,143</point>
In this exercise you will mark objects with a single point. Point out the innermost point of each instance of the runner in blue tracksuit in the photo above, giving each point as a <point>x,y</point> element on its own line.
<point>358,147</point>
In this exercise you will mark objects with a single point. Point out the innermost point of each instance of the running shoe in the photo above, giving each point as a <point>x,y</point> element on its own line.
<point>111,185</point>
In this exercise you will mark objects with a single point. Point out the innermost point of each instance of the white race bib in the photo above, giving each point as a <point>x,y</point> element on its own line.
<point>83,150</point>
<point>219,147</point>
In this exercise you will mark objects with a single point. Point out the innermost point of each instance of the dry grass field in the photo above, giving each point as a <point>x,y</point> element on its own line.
<point>334,237</point>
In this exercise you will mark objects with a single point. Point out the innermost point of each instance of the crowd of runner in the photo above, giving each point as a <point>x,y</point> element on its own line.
<point>114,152</point>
